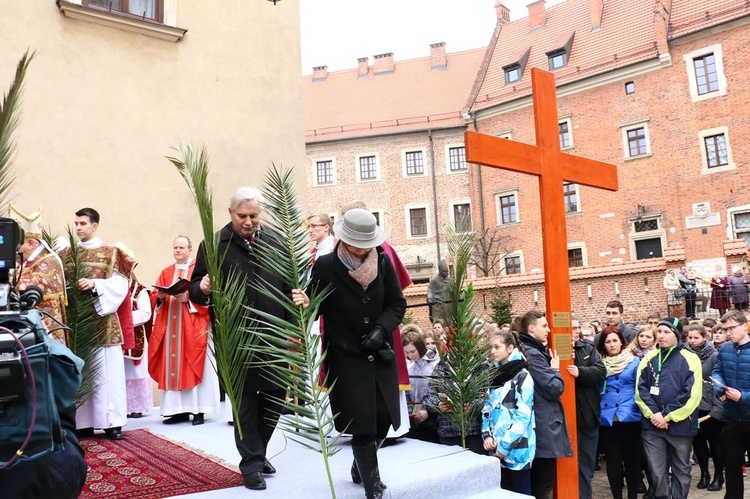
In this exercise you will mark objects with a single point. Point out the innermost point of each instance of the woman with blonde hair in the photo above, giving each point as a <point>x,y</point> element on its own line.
<point>644,342</point>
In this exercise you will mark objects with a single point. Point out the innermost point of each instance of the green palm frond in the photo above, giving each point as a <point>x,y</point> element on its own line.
<point>85,324</point>
<point>232,339</point>
<point>9,110</point>
<point>465,375</point>
<point>289,339</point>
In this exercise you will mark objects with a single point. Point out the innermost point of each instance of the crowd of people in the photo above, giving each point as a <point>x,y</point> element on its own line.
<point>647,396</point>
<point>649,399</point>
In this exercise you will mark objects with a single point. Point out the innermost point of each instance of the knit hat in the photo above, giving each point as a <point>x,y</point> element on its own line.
<point>673,323</point>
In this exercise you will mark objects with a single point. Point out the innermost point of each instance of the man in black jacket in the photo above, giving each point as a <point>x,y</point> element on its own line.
<point>261,401</point>
<point>589,372</point>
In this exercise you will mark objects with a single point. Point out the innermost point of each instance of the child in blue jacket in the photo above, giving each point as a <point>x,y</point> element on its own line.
<point>508,417</point>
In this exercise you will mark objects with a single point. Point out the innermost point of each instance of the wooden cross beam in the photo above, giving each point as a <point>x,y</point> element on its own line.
<point>553,167</point>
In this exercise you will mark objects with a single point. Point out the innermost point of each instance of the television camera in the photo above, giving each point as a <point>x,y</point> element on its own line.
<point>29,423</point>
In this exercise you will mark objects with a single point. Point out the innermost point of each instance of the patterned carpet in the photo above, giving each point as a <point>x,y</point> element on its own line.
<point>146,466</point>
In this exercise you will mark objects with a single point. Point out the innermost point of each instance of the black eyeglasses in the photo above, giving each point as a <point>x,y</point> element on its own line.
<point>725,330</point>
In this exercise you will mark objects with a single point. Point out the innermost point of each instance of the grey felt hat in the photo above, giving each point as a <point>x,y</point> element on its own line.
<point>359,228</point>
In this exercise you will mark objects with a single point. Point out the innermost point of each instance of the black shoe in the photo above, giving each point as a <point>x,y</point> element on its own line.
<point>178,418</point>
<point>85,433</point>
<point>650,494</point>
<point>135,415</point>
<point>642,487</point>
<point>114,433</point>
<point>198,419</point>
<point>705,480</point>
<point>268,468</point>
<point>254,481</point>
<point>717,484</point>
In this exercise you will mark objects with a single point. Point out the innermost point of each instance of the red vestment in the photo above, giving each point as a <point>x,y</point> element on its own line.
<point>179,338</point>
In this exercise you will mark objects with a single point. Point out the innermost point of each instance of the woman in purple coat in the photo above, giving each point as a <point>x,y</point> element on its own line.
<point>738,285</point>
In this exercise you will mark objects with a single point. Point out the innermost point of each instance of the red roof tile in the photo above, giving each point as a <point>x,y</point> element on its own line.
<point>689,16</point>
<point>412,97</point>
<point>626,36</point>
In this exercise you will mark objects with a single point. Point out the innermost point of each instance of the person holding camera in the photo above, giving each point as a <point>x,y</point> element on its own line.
<point>364,307</point>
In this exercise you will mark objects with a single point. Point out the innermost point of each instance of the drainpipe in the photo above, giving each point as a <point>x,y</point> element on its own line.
<point>434,194</point>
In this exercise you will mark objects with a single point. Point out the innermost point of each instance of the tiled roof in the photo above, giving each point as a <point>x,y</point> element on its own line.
<point>689,16</point>
<point>412,97</point>
<point>626,36</point>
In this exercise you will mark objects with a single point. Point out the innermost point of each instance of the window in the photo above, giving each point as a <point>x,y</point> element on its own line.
<point>570,197</point>
<point>513,74</point>
<point>414,163</point>
<point>149,9</point>
<point>558,60</point>
<point>635,139</point>
<point>741,223</point>
<point>324,171</point>
<point>575,257</point>
<point>418,222</point>
<point>716,150</point>
<point>507,209</point>
<point>513,264</point>
<point>376,214</point>
<point>457,159</point>
<point>647,237</point>
<point>564,131</point>
<point>368,168</point>
<point>716,153</point>
<point>462,217</point>
<point>705,73</point>
<point>629,88</point>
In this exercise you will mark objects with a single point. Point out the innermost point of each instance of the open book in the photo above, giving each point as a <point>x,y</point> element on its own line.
<point>179,287</point>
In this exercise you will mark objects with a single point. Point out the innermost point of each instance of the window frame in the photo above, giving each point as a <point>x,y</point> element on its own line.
<point>658,233</point>
<point>732,224</point>
<point>498,207</point>
<point>721,78</point>
<point>513,254</point>
<point>579,245</point>
<point>635,125</point>
<point>316,183</point>
<point>158,8</point>
<point>358,166</point>
<point>629,87</point>
<point>452,215</point>
<point>409,228</point>
<point>404,163</point>
<point>448,149</point>
<point>577,197</point>
<point>568,121</point>
<point>165,30</point>
<point>713,132</point>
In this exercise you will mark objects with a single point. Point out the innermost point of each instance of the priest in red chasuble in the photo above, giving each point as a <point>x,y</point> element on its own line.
<point>40,266</point>
<point>179,358</point>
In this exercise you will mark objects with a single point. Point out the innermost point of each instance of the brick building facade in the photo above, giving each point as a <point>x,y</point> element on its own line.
<point>655,87</point>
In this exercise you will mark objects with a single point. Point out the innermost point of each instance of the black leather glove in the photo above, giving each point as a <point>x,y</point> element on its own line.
<point>386,353</point>
<point>374,340</point>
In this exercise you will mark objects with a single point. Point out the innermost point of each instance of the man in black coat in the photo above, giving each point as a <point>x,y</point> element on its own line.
<point>589,372</point>
<point>261,401</point>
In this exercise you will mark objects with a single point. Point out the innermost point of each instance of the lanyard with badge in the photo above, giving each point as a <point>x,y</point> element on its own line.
<point>655,389</point>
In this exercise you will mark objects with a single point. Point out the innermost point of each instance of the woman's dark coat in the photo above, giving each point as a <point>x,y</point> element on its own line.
<point>349,313</point>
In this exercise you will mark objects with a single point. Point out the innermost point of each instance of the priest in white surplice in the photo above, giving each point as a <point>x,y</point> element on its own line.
<point>109,270</point>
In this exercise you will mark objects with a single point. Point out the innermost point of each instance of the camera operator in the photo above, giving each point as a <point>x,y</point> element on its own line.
<point>62,473</point>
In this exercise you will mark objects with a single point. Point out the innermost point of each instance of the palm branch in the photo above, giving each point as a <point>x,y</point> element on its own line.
<point>9,110</point>
<point>289,340</point>
<point>85,324</point>
<point>464,375</point>
<point>230,331</point>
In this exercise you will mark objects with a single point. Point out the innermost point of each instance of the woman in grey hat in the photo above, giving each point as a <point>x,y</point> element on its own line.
<point>364,306</point>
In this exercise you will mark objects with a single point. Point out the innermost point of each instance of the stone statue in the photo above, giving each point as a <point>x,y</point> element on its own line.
<point>438,295</point>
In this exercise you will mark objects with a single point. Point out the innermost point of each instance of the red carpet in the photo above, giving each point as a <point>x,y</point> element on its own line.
<point>145,465</point>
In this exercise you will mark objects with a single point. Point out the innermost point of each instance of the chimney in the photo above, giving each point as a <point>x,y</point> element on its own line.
<point>320,73</point>
<point>537,14</point>
<point>363,67</point>
<point>383,64</point>
<point>661,26</point>
<point>437,54</point>
<point>503,12</point>
<point>597,6</point>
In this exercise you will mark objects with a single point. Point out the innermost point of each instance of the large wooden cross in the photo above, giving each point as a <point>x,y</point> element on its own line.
<point>553,167</point>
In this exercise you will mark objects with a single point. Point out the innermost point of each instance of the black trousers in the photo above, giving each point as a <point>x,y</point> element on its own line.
<point>707,443</point>
<point>258,414</point>
<point>621,444</point>
<point>543,476</point>
<point>60,475</point>
<point>690,303</point>
<point>735,441</point>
